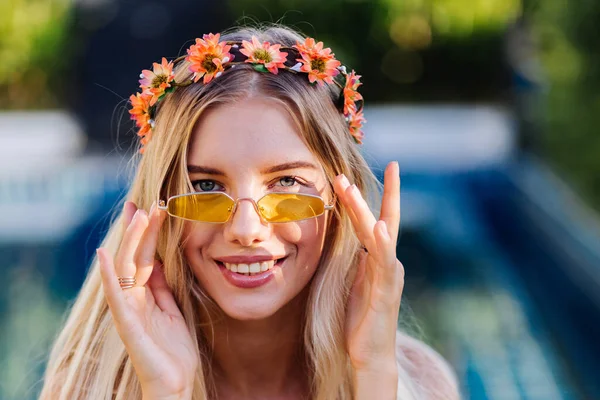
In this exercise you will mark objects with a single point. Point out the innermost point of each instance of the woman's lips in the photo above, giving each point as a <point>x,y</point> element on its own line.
<point>242,280</point>
<point>248,259</point>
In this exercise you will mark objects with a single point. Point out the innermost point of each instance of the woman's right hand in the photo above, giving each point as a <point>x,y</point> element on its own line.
<point>146,316</point>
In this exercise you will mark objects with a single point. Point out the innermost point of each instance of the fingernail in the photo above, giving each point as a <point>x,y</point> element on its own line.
<point>345,181</point>
<point>152,208</point>
<point>354,188</point>
<point>136,215</point>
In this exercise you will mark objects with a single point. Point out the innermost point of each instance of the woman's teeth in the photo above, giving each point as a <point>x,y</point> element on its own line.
<point>250,269</point>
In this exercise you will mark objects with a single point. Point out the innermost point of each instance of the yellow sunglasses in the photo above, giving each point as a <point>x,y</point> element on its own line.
<point>218,207</point>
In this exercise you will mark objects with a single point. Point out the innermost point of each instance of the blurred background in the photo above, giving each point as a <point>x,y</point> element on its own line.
<point>490,106</point>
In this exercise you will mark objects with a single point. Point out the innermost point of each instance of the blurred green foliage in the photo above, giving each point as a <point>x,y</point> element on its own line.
<point>454,50</point>
<point>33,44</point>
<point>403,47</point>
<point>567,36</point>
<point>406,50</point>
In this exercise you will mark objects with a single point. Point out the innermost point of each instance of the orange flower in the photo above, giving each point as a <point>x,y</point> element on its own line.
<point>319,63</point>
<point>356,120</point>
<point>351,95</point>
<point>156,81</point>
<point>313,49</point>
<point>207,57</point>
<point>139,112</point>
<point>264,53</point>
<point>144,141</point>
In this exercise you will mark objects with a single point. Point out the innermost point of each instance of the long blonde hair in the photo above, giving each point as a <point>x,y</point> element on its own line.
<point>88,359</point>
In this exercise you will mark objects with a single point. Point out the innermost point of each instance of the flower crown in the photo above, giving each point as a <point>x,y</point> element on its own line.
<point>208,58</point>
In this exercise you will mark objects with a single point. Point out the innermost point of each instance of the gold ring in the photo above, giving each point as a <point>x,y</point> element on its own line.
<point>126,282</point>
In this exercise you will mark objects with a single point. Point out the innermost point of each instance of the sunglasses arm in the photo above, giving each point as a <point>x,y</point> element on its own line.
<point>332,205</point>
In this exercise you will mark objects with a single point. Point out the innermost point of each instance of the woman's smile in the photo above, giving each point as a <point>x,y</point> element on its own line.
<point>250,272</point>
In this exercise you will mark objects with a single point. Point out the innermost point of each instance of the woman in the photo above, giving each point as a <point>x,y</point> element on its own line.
<point>261,272</point>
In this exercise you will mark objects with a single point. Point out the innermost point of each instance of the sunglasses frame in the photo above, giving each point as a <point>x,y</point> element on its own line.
<point>162,205</point>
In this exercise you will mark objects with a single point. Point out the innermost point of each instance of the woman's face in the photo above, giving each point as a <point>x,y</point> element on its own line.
<point>247,149</point>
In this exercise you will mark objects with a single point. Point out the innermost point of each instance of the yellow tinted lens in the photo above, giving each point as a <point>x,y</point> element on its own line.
<point>206,207</point>
<point>286,207</point>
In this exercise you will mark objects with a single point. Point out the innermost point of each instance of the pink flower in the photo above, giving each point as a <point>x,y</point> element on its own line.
<point>264,53</point>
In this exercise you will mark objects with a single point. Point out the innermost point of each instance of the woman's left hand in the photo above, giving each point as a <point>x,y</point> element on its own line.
<point>374,302</point>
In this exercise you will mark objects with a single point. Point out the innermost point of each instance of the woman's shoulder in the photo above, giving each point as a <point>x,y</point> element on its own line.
<point>430,375</point>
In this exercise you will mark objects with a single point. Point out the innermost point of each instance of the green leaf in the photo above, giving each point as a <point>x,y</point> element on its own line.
<point>260,67</point>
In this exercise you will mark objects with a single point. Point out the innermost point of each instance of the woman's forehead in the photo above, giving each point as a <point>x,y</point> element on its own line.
<point>255,132</point>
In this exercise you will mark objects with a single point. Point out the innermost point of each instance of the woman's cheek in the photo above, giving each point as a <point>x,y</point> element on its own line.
<point>307,239</point>
<point>197,235</point>
<point>196,239</point>
<point>289,233</point>
<point>303,233</point>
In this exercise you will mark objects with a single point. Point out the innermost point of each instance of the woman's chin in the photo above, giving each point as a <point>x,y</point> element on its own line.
<point>250,311</point>
<point>260,307</point>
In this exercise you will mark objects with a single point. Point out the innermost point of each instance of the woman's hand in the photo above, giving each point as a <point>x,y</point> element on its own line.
<point>374,302</point>
<point>146,316</point>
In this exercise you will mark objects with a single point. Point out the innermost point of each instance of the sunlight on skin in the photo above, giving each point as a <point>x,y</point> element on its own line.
<point>261,135</point>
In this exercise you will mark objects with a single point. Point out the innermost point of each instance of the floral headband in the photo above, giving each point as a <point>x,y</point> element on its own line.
<point>209,58</point>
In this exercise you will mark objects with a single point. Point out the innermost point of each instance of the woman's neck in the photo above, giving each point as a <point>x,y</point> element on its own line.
<point>264,358</point>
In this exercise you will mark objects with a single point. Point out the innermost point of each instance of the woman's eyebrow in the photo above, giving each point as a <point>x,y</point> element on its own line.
<point>200,169</point>
<point>204,170</point>
<point>287,166</point>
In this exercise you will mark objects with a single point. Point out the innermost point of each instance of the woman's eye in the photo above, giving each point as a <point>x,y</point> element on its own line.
<point>206,185</point>
<point>287,181</point>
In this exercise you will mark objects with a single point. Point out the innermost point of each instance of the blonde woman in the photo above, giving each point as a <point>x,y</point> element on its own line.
<point>258,270</point>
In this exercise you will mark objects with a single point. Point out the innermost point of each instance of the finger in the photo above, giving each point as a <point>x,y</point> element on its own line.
<point>124,260</point>
<point>162,292</point>
<point>146,252</point>
<point>360,215</point>
<point>130,329</point>
<point>110,285</point>
<point>129,209</point>
<point>390,202</point>
<point>339,185</point>
<point>388,271</point>
<point>359,288</point>
<point>365,220</point>
<point>359,276</point>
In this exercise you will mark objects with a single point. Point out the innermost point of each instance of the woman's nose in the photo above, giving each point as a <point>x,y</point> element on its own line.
<point>246,226</point>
